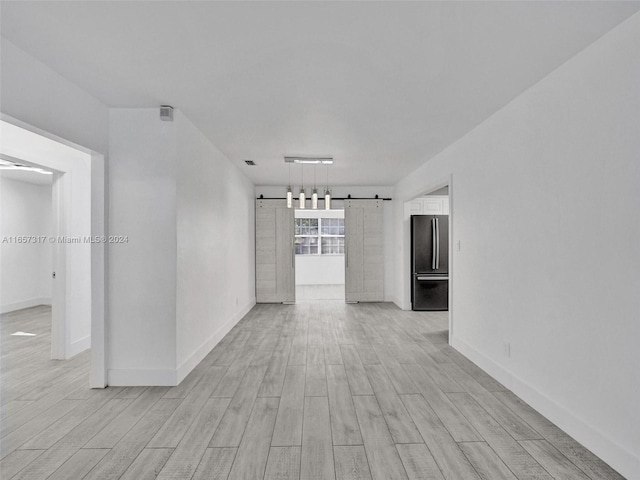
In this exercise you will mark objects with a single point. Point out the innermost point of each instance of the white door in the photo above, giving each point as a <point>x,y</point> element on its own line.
<point>275,254</point>
<point>364,251</point>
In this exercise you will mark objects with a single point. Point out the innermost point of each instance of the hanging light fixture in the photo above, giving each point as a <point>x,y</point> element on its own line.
<point>327,193</point>
<point>314,195</point>
<point>302,160</point>
<point>289,192</point>
<point>301,196</point>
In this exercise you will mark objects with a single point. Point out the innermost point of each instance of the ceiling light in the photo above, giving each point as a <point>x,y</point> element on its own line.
<point>327,194</point>
<point>327,199</point>
<point>6,165</point>
<point>289,192</point>
<point>310,160</point>
<point>314,195</point>
<point>301,196</point>
<point>301,199</point>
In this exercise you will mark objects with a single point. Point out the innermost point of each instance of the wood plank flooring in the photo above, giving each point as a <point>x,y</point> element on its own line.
<point>319,390</point>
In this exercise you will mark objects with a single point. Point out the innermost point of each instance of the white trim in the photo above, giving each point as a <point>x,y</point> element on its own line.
<point>142,378</point>
<point>625,461</point>
<point>196,357</point>
<point>78,346</point>
<point>43,133</point>
<point>99,278</point>
<point>394,299</point>
<point>59,321</point>
<point>451,253</point>
<point>32,302</point>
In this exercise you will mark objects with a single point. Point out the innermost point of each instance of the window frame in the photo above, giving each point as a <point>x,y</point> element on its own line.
<point>319,236</point>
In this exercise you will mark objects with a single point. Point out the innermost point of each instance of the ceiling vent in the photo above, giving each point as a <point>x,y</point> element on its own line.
<point>166,113</point>
<point>251,163</point>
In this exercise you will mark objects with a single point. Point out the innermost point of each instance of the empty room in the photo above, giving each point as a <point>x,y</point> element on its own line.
<point>319,240</point>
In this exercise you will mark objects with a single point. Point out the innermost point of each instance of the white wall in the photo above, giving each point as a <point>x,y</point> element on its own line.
<point>319,269</point>
<point>142,272</point>
<point>25,268</point>
<point>356,192</point>
<point>545,203</point>
<point>186,276</point>
<point>39,96</point>
<point>215,246</point>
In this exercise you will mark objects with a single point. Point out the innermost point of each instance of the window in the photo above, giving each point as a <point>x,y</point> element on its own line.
<point>319,236</point>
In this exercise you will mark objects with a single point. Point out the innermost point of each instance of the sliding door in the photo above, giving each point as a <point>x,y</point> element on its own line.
<point>275,254</point>
<point>364,251</point>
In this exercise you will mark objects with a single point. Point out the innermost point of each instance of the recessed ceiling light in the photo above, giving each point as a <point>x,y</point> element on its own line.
<point>309,160</point>
<point>10,165</point>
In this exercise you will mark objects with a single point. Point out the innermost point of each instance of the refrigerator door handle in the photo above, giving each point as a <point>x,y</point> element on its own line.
<point>423,278</point>
<point>433,244</point>
<point>437,244</point>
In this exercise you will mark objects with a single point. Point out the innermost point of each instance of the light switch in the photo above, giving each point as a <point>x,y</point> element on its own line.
<point>458,245</point>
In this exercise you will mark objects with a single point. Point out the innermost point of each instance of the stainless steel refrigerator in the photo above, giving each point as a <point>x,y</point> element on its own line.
<point>430,262</point>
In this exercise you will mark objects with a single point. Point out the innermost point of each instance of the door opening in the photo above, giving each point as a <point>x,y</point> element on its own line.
<point>320,255</point>
<point>77,239</point>
<point>26,220</point>
<point>430,254</point>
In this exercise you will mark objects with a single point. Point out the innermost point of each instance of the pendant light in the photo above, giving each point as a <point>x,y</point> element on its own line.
<point>301,196</point>
<point>289,192</point>
<point>327,194</point>
<point>314,195</point>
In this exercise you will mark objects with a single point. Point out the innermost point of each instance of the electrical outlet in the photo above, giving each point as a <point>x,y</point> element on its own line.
<point>506,347</point>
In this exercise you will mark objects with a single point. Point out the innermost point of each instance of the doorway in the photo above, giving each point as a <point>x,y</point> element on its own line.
<point>319,239</point>
<point>429,256</point>
<point>77,239</point>
<point>26,222</point>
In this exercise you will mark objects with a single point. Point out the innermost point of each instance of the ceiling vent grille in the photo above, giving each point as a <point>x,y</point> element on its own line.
<point>251,163</point>
<point>166,113</point>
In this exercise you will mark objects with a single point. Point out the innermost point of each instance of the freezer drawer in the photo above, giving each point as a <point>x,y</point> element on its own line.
<point>430,294</point>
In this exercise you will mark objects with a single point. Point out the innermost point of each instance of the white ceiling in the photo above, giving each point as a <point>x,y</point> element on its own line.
<point>381,86</point>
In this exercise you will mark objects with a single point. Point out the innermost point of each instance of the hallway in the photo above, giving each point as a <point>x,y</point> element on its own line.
<point>315,390</point>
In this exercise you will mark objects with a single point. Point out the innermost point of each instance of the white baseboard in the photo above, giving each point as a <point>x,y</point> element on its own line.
<point>398,302</point>
<point>33,302</point>
<point>196,357</point>
<point>142,378</point>
<point>78,346</point>
<point>617,456</point>
<point>172,377</point>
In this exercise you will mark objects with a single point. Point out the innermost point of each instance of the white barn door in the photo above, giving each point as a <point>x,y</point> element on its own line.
<point>275,254</point>
<point>364,251</point>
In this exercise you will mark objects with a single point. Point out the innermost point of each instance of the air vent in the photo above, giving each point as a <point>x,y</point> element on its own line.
<point>250,163</point>
<point>166,113</point>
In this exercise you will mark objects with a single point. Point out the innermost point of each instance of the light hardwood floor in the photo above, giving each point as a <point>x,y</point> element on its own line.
<point>309,293</point>
<point>311,391</point>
